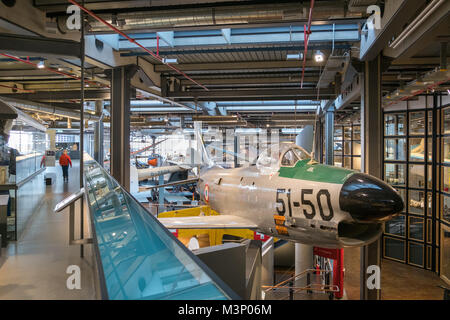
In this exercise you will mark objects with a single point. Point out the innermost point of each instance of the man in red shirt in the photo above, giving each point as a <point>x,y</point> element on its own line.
<point>64,161</point>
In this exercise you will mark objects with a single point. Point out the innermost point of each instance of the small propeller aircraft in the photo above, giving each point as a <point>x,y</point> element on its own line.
<point>289,195</point>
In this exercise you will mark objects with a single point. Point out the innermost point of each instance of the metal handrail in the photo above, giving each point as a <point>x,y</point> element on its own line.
<point>309,287</point>
<point>70,202</point>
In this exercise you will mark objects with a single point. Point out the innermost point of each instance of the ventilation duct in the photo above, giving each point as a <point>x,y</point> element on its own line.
<point>169,19</point>
<point>44,108</point>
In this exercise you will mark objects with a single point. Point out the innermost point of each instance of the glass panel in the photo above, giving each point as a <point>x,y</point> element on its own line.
<point>429,256</point>
<point>417,123</point>
<point>416,149</point>
<point>446,121</point>
<point>140,258</point>
<point>446,150</point>
<point>338,147</point>
<point>445,208</point>
<point>416,176</point>
<point>337,133</point>
<point>394,124</point>
<point>430,149</point>
<point>356,132</point>
<point>416,228</point>
<point>445,253</point>
<point>348,162</point>
<point>395,174</point>
<point>396,226</point>
<point>347,148</point>
<point>356,163</point>
<point>416,253</point>
<point>338,161</point>
<point>356,148</point>
<point>26,149</point>
<point>429,204</point>
<point>402,193</point>
<point>394,248</point>
<point>289,159</point>
<point>416,202</point>
<point>445,178</point>
<point>347,133</point>
<point>429,231</point>
<point>430,177</point>
<point>430,122</point>
<point>395,149</point>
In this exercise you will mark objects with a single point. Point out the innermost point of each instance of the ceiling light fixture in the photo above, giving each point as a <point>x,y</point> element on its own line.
<point>319,56</point>
<point>41,64</point>
<point>294,56</point>
<point>170,60</point>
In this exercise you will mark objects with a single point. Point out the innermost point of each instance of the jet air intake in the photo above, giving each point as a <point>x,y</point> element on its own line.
<point>368,199</point>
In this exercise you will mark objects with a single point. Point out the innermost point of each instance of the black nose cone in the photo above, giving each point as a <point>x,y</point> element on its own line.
<point>369,199</point>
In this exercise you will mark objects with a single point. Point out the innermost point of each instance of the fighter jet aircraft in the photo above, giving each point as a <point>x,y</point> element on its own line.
<point>288,195</point>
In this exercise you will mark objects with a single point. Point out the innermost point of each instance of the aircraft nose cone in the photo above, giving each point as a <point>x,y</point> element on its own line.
<point>369,199</point>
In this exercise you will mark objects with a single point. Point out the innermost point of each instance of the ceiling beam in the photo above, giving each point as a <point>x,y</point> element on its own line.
<point>262,80</point>
<point>37,46</point>
<point>62,95</point>
<point>261,94</point>
<point>238,65</point>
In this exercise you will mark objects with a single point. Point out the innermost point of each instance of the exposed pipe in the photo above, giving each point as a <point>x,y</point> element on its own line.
<point>221,16</point>
<point>417,22</point>
<point>47,109</point>
<point>18,89</point>
<point>136,43</point>
<point>430,87</point>
<point>48,69</point>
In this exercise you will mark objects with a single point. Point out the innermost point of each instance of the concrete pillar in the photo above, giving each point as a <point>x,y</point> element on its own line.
<point>120,123</point>
<point>98,134</point>
<point>371,159</point>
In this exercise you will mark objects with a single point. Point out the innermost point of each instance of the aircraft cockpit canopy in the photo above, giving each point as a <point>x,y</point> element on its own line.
<point>280,155</point>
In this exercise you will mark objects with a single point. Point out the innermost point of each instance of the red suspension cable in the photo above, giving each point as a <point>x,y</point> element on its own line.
<point>306,33</point>
<point>135,42</point>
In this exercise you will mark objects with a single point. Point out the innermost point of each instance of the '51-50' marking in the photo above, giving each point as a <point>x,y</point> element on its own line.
<point>309,210</point>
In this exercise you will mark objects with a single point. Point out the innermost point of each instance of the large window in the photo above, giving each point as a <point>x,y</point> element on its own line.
<point>408,167</point>
<point>347,146</point>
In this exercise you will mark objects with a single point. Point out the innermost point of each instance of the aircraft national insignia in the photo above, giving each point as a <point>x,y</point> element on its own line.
<point>206,193</point>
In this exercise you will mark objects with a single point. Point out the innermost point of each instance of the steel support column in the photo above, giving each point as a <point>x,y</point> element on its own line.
<point>120,123</point>
<point>371,159</point>
<point>98,134</point>
<point>329,136</point>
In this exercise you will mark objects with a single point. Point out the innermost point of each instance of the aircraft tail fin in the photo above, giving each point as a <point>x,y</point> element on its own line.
<point>205,158</point>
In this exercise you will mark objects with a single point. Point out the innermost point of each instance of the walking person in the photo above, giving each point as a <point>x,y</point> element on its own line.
<point>64,161</point>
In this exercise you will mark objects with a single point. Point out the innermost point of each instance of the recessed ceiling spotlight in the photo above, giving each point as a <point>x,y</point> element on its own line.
<point>319,56</point>
<point>41,64</point>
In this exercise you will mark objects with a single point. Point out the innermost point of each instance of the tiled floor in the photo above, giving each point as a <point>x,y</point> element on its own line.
<point>398,281</point>
<point>35,266</point>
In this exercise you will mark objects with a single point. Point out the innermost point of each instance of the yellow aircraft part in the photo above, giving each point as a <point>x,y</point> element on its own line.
<point>215,235</point>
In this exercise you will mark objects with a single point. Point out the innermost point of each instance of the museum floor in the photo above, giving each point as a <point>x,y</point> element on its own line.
<point>34,267</point>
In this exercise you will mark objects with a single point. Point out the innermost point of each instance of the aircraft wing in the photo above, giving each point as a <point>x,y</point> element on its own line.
<point>208,222</point>
<point>158,171</point>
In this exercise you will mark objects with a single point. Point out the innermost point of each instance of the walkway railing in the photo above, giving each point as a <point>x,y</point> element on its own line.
<point>137,257</point>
